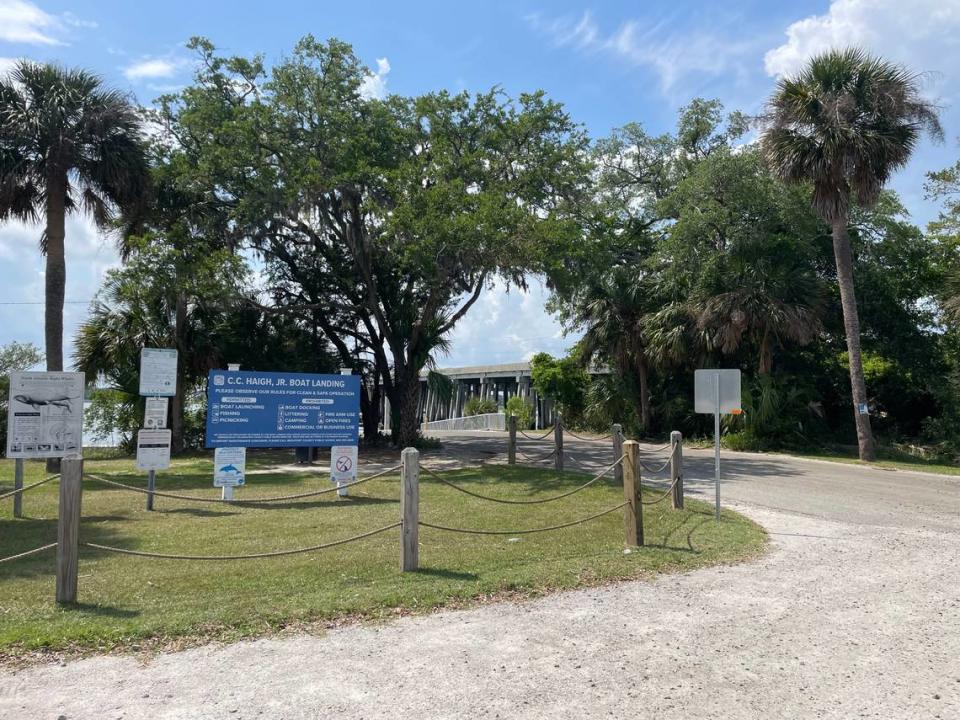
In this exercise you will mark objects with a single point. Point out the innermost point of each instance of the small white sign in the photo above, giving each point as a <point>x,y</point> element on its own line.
<point>155,414</point>
<point>343,466</point>
<point>45,415</point>
<point>863,408</point>
<point>153,450</point>
<point>229,466</point>
<point>705,391</point>
<point>158,372</point>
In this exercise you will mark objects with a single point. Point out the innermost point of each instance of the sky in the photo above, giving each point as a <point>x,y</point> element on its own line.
<point>609,63</point>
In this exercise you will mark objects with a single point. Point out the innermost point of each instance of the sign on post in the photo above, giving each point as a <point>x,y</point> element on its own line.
<point>256,409</point>
<point>343,466</point>
<point>229,467</point>
<point>45,415</point>
<point>717,392</point>
<point>155,414</point>
<point>158,372</point>
<point>153,449</point>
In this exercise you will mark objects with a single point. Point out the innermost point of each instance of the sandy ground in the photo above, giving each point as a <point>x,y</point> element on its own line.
<point>854,613</point>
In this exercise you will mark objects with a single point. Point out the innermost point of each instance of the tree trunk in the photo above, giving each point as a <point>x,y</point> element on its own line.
<point>56,271</point>
<point>851,322</point>
<point>643,374</point>
<point>766,354</point>
<point>408,395</point>
<point>55,279</point>
<point>177,406</point>
<point>370,407</point>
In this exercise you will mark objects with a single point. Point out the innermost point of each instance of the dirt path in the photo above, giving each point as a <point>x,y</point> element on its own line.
<point>855,612</point>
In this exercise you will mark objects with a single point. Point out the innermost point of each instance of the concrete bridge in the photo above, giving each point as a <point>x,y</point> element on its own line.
<point>498,383</point>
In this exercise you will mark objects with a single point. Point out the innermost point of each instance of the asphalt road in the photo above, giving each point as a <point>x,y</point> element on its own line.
<point>854,613</point>
<point>823,489</point>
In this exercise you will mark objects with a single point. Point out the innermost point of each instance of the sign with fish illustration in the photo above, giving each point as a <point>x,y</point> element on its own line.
<point>229,466</point>
<point>45,415</point>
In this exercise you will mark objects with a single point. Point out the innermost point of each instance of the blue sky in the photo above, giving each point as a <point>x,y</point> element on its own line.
<point>609,63</point>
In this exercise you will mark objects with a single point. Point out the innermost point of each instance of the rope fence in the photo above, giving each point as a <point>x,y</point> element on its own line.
<point>244,501</point>
<point>28,487</point>
<point>628,466</point>
<point>527,531</point>
<point>539,501</point>
<point>664,495</point>
<point>252,556</point>
<point>540,437</point>
<point>650,469</point>
<point>28,553</point>
<point>537,458</point>
<point>581,437</point>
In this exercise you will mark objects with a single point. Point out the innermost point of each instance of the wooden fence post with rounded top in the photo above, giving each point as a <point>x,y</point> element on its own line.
<point>633,510</point>
<point>617,432</point>
<point>410,510</point>
<point>558,444</point>
<point>676,468</point>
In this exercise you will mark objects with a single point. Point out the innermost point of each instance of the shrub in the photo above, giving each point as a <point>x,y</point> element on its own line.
<point>523,410</point>
<point>479,406</point>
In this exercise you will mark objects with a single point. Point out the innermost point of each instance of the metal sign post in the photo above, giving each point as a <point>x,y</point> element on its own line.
<point>716,440</point>
<point>717,392</point>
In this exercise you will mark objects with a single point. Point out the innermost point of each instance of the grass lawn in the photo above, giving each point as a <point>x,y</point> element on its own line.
<point>129,603</point>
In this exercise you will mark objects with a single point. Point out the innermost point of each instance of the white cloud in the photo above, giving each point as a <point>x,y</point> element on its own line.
<point>6,65</point>
<point>89,256</point>
<point>924,34</point>
<point>672,55</point>
<point>24,22</point>
<point>374,85</point>
<point>151,68</point>
<point>505,327</point>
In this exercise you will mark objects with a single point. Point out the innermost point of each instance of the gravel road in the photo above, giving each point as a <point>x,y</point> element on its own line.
<point>854,613</point>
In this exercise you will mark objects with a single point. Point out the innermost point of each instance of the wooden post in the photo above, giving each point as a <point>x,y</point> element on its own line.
<point>68,529</point>
<point>633,510</point>
<point>151,486</point>
<point>410,510</point>
<point>617,432</point>
<point>512,442</point>
<point>558,443</point>
<point>676,468</point>
<point>18,485</point>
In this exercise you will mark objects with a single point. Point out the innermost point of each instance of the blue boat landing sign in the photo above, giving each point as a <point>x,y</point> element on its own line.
<point>256,409</point>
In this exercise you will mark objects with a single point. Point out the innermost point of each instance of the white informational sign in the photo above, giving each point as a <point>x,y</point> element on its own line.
<point>153,449</point>
<point>229,466</point>
<point>158,372</point>
<point>45,415</point>
<point>717,392</point>
<point>155,414</point>
<point>705,391</point>
<point>343,466</point>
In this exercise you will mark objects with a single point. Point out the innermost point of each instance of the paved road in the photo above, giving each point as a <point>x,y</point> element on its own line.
<point>855,612</point>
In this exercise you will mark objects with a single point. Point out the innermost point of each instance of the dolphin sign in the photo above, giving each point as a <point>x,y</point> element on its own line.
<point>230,468</point>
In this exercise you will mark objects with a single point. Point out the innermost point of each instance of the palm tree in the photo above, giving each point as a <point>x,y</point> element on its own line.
<point>844,124</point>
<point>611,314</point>
<point>67,144</point>
<point>777,299</point>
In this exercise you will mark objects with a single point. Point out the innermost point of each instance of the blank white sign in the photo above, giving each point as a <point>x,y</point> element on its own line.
<point>705,391</point>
